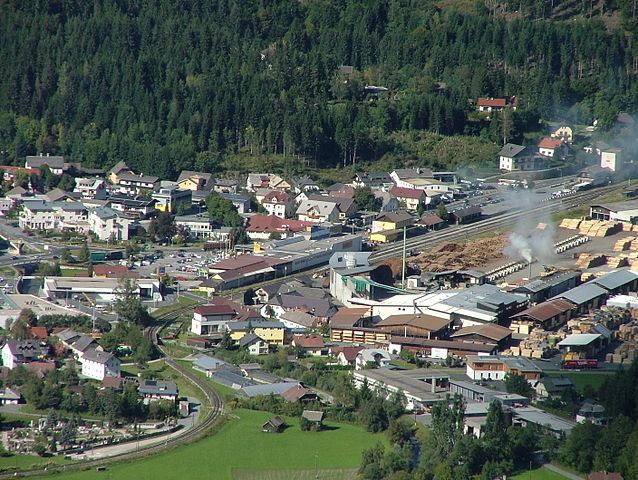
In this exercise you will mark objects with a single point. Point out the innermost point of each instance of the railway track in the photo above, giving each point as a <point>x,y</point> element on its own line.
<point>506,219</point>
<point>210,412</point>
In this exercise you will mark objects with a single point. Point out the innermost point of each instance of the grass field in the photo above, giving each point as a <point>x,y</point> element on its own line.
<point>240,444</point>
<point>72,272</point>
<point>332,474</point>
<point>581,380</point>
<point>540,473</point>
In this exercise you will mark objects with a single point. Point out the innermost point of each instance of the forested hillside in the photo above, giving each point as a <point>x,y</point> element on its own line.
<point>172,84</point>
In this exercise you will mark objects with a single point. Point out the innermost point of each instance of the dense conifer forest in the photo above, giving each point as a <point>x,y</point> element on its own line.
<point>168,85</point>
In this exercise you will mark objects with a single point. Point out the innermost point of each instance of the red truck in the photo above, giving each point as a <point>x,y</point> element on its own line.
<point>582,363</point>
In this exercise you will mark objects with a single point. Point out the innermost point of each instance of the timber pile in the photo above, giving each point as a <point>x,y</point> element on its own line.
<point>462,256</point>
<point>570,223</point>
<point>619,261</point>
<point>586,260</point>
<point>629,227</point>
<point>623,244</point>
<point>597,228</point>
<point>634,244</point>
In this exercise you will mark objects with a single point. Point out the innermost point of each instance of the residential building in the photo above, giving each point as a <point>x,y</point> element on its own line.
<point>91,188</point>
<point>108,224</point>
<point>277,203</point>
<point>346,206</point>
<point>199,226</point>
<point>304,184</point>
<point>208,365</point>
<point>261,227</point>
<point>171,199</point>
<point>591,411</point>
<point>375,181</point>
<point>491,104</point>
<point>136,184</point>
<point>254,344</point>
<point>195,181</point>
<point>311,344</point>
<point>549,387</point>
<point>391,221</point>
<point>55,163</point>
<point>8,396</point>
<point>43,215</point>
<point>153,390</point>
<point>98,364</point>
<point>271,332</point>
<point>120,168</point>
<point>212,318</point>
<point>132,207</point>
<point>411,198</point>
<point>267,180</point>
<point>372,356</point>
<point>317,211</point>
<point>320,309</point>
<point>495,367</point>
<point>241,202</point>
<point>346,355</point>
<point>225,185</point>
<point>565,133</point>
<point>514,157</point>
<point>549,146</point>
<point>16,352</point>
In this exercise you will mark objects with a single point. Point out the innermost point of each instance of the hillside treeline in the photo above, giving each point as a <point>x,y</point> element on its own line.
<point>173,84</point>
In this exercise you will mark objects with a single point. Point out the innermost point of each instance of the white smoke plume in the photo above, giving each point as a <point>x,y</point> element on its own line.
<point>527,241</point>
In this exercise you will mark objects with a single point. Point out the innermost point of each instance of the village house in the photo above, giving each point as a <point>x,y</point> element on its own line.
<point>9,396</point>
<point>346,206</point>
<point>152,390</point>
<point>494,367</point>
<point>514,157</point>
<point>108,224</point>
<point>16,352</point>
<point>254,344</point>
<point>565,133</point>
<point>412,198</point>
<point>549,387</point>
<point>55,163</point>
<point>42,215</point>
<point>171,199</point>
<point>195,181</point>
<point>266,180</point>
<point>547,147</point>
<point>91,188</point>
<point>321,309</point>
<point>98,364</point>
<point>317,211</point>
<point>137,184</point>
<point>277,203</point>
<point>133,207</point>
<point>304,184</point>
<point>374,357</point>
<point>240,202</point>
<point>311,344</point>
<point>199,226</point>
<point>391,221</point>
<point>374,181</point>
<point>120,168</point>
<point>498,104</point>
<point>346,355</point>
<point>211,318</point>
<point>261,227</point>
<point>271,332</point>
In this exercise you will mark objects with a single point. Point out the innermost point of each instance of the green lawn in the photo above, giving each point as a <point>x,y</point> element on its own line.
<point>240,444</point>
<point>72,272</point>
<point>540,473</point>
<point>25,462</point>
<point>581,380</point>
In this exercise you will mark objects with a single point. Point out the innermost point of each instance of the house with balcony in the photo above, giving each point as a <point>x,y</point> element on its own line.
<point>137,184</point>
<point>211,318</point>
<point>153,390</point>
<point>412,198</point>
<point>120,168</point>
<point>278,203</point>
<point>90,188</point>
<point>318,211</point>
<point>17,352</point>
<point>514,158</point>
<point>200,226</point>
<point>43,215</point>
<point>195,181</point>
<point>133,207</point>
<point>98,364</point>
<point>266,180</point>
<point>109,224</point>
<point>170,199</point>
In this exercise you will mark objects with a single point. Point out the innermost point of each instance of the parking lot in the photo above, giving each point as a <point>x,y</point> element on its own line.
<point>187,263</point>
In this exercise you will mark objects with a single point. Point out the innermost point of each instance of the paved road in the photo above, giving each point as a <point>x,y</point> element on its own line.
<point>562,472</point>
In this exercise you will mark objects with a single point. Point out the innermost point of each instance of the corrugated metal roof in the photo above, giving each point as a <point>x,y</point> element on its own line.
<point>584,293</point>
<point>616,279</point>
<point>579,339</point>
<point>274,388</point>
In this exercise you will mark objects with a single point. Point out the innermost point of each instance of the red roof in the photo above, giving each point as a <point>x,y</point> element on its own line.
<point>430,220</point>
<point>349,353</point>
<point>347,317</point>
<point>550,142</point>
<point>41,368</point>
<point>492,102</point>
<point>13,170</point>
<point>39,332</point>
<point>271,224</point>
<point>110,271</point>
<point>276,196</point>
<point>308,341</point>
<point>215,309</point>
<point>402,192</point>
<point>295,393</point>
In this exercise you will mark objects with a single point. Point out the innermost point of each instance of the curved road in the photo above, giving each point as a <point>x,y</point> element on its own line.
<point>214,400</point>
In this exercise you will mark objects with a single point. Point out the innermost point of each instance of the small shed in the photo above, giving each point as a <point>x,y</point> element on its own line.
<point>314,416</point>
<point>275,424</point>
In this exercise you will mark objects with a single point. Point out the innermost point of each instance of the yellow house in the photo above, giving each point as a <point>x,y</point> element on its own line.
<point>194,181</point>
<point>391,221</point>
<point>115,172</point>
<point>272,332</point>
<point>385,236</point>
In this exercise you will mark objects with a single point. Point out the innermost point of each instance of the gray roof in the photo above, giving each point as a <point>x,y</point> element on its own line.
<point>53,161</point>
<point>616,279</point>
<point>235,197</point>
<point>244,325</point>
<point>66,335</point>
<point>82,343</point>
<point>98,356</point>
<point>316,306</point>
<point>618,206</point>
<point>248,339</point>
<point>205,362</point>
<point>132,177</point>
<point>157,387</point>
<point>267,389</point>
<point>298,317</point>
<point>231,379</point>
<point>584,293</point>
<point>313,415</point>
<point>511,150</point>
<point>104,212</point>
<point>539,417</point>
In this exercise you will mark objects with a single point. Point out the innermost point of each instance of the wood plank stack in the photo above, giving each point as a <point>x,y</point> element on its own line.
<point>598,228</point>
<point>623,244</point>
<point>586,260</point>
<point>570,223</point>
<point>618,261</point>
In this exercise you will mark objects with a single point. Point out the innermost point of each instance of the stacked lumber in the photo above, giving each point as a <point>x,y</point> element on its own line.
<point>634,244</point>
<point>617,262</point>
<point>586,260</point>
<point>623,244</point>
<point>598,228</point>
<point>570,223</point>
<point>629,227</point>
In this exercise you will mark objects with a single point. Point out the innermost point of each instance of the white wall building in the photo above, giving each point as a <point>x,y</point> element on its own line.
<point>98,365</point>
<point>91,188</point>
<point>107,223</point>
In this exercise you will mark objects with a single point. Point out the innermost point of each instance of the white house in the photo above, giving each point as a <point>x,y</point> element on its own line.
<point>514,157</point>
<point>277,203</point>
<point>199,226</point>
<point>97,364</point>
<point>365,357</point>
<point>158,390</point>
<point>254,344</point>
<point>134,184</point>
<point>210,318</point>
<point>43,215</point>
<point>107,223</point>
<point>16,352</point>
<point>91,188</point>
<point>318,211</point>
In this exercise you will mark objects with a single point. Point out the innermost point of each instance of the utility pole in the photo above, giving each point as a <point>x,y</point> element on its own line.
<point>403,263</point>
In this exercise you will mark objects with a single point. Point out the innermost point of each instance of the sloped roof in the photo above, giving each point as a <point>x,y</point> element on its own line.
<point>313,415</point>
<point>616,279</point>
<point>584,293</point>
<point>492,102</point>
<point>550,142</point>
<point>402,192</point>
<point>308,341</point>
<point>276,196</point>
<point>267,389</point>
<point>426,322</point>
<point>97,356</point>
<point>208,363</point>
<point>489,330</point>
<point>349,353</point>
<point>511,150</point>
<point>347,317</point>
<point>430,220</point>
<point>295,393</point>
<point>249,339</point>
<point>546,310</point>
